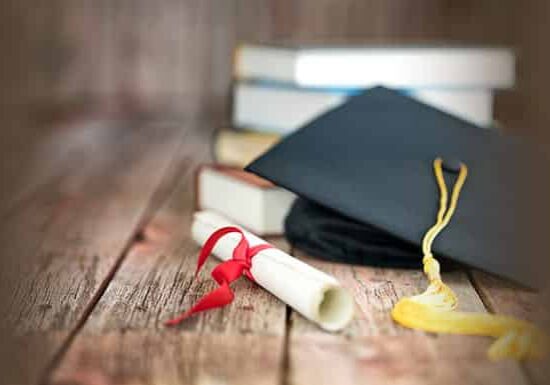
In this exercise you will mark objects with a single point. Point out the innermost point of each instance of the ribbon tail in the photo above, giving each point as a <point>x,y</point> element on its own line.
<point>219,297</point>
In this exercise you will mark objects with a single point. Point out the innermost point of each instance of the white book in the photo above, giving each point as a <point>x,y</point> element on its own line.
<point>245,198</point>
<point>284,109</point>
<point>367,66</point>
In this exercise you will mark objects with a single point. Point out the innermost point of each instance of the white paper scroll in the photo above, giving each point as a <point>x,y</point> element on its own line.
<point>314,294</point>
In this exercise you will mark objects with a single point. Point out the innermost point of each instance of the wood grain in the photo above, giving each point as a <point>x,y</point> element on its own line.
<point>240,344</point>
<point>375,350</point>
<point>166,357</point>
<point>67,240</point>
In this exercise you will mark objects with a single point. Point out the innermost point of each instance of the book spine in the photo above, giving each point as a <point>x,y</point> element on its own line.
<point>240,148</point>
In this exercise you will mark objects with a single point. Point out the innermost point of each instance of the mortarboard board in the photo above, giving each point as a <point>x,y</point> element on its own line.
<point>364,173</point>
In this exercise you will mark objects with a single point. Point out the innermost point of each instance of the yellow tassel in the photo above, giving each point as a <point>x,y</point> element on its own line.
<point>433,310</point>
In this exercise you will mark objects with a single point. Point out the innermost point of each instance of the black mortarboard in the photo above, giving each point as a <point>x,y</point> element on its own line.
<point>368,192</point>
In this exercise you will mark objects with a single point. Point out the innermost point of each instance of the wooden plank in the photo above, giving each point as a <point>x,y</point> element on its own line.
<point>157,357</point>
<point>240,344</point>
<point>375,350</point>
<point>504,297</point>
<point>65,244</point>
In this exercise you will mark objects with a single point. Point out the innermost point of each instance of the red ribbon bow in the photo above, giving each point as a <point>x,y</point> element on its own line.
<point>225,273</point>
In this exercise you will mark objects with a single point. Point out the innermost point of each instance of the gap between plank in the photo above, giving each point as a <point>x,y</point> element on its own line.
<point>482,296</point>
<point>173,171</point>
<point>487,304</point>
<point>285,361</point>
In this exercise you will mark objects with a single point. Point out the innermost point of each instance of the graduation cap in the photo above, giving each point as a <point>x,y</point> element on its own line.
<point>364,175</point>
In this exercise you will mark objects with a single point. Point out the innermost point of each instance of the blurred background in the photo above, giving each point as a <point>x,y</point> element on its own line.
<point>169,59</point>
<point>173,57</point>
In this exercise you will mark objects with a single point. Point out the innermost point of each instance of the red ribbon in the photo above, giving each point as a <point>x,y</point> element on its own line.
<point>224,274</point>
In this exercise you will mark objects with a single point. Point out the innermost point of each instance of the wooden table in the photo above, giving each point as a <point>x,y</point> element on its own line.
<point>104,256</point>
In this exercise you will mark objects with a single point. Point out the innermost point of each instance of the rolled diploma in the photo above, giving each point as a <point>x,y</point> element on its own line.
<point>316,295</point>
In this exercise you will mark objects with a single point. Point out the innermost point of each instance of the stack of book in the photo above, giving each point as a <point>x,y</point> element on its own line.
<point>279,89</point>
